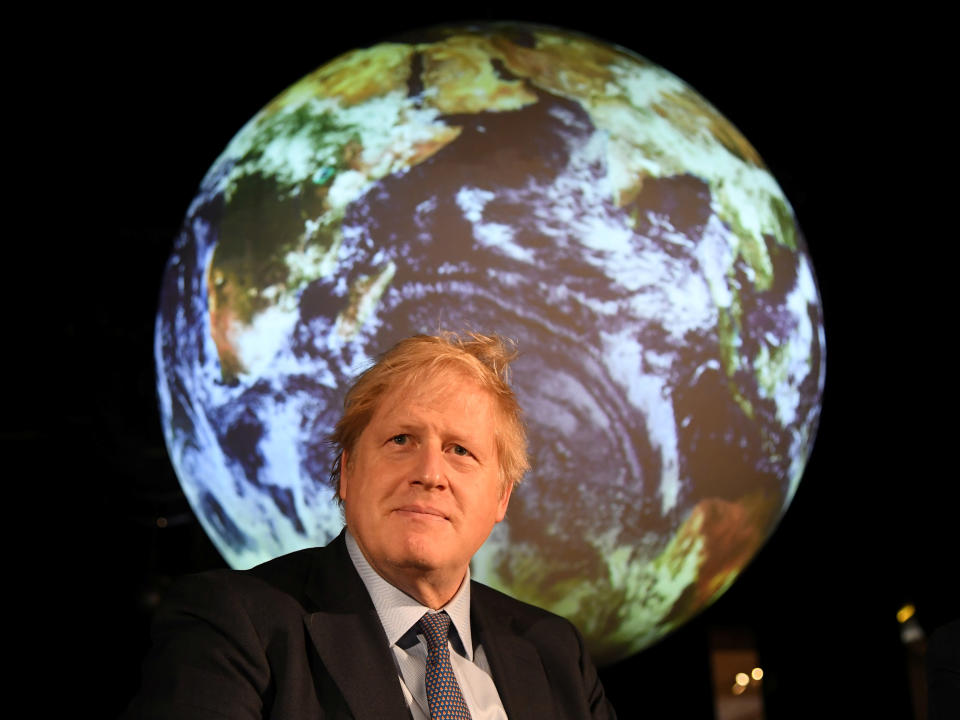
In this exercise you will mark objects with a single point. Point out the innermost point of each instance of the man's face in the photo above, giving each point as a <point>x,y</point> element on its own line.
<point>421,486</point>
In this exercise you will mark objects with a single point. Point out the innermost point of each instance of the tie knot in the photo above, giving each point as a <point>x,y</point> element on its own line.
<point>436,628</point>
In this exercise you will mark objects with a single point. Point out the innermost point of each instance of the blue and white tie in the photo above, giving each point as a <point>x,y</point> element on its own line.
<point>443,693</point>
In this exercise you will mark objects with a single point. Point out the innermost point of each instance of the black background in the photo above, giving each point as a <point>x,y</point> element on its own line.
<point>129,112</point>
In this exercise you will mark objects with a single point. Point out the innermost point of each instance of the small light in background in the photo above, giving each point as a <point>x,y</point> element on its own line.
<point>733,657</point>
<point>161,522</point>
<point>905,613</point>
<point>910,630</point>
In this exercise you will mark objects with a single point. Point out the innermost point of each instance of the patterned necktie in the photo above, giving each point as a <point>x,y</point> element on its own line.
<point>443,693</point>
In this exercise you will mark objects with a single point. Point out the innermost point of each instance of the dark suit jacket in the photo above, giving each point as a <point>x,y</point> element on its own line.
<point>298,637</point>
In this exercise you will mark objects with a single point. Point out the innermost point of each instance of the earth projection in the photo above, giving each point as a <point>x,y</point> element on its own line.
<point>552,188</point>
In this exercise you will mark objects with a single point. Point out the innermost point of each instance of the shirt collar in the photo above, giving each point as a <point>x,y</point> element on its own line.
<point>398,611</point>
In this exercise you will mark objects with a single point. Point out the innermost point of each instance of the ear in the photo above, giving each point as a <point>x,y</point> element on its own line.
<point>343,475</point>
<point>504,501</point>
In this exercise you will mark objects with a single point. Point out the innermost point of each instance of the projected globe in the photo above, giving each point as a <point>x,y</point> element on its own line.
<point>555,189</point>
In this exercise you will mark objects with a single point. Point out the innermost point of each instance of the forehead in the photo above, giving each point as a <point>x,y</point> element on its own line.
<point>453,396</point>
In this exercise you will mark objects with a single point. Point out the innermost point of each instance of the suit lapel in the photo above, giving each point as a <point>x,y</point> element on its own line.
<point>350,640</point>
<point>514,662</point>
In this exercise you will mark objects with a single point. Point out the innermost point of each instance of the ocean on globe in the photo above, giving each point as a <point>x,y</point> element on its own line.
<point>560,191</point>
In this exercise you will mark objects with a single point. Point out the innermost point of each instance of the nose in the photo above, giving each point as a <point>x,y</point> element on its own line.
<point>430,471</point>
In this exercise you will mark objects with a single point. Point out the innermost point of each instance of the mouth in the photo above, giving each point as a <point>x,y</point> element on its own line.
<point>421,512</point>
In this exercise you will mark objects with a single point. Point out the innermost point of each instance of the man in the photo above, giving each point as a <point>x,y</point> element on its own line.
<point>384,622</point>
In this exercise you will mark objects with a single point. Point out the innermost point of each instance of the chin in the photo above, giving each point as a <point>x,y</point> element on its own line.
<point>424,553</point>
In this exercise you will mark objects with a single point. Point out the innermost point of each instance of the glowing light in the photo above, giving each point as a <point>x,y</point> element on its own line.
<point>743,679</point>
<point>905,613</point>
<point>756,673</point>
<point>737,689</point>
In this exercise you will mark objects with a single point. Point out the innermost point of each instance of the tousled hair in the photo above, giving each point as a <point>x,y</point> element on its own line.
<point>484,359</point>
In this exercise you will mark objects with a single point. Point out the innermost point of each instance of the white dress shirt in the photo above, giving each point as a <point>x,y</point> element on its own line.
<point>399,614</point>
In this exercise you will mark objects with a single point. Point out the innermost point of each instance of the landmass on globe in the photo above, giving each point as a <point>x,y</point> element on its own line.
<point>548,186</point>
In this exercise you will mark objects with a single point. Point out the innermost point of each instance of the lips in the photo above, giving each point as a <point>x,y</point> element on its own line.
<point>422,510</point>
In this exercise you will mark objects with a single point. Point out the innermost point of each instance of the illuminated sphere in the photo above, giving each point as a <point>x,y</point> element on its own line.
<point>546,186</point>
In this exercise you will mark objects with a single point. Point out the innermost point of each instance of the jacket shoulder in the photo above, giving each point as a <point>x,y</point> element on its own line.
<point>286,586</point>
<point>289,574</point>
<point>504,604</point>
<point>541,627</point>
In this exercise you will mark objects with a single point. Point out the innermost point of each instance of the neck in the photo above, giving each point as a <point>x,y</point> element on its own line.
<point>428,591</point>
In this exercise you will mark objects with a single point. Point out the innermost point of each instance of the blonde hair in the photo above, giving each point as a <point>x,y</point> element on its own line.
<point>483,358</point>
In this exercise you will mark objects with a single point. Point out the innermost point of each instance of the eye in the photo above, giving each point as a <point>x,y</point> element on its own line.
<point>460,450</point>
<point>400,439</point>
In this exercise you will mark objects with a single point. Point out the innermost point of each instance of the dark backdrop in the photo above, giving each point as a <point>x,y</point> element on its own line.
<point>846,112</point>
